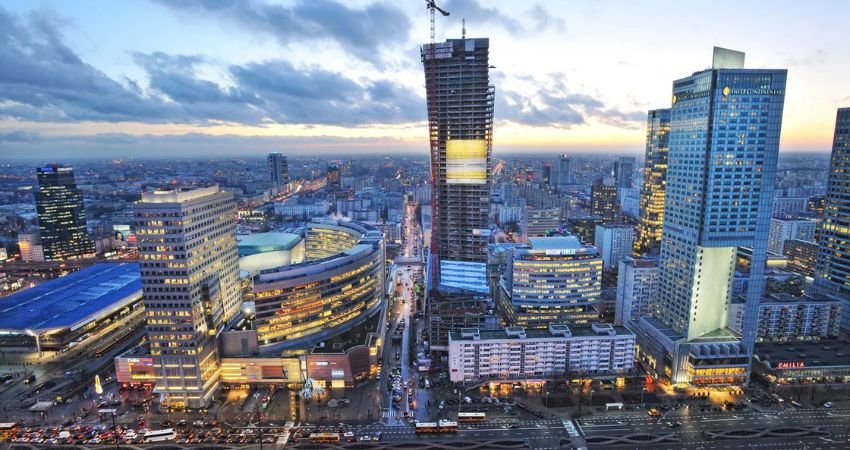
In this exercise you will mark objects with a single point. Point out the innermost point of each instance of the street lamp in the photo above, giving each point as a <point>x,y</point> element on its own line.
<point>642,391</point>
<point>547,399</point>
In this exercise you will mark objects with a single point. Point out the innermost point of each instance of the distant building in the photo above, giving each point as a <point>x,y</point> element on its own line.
<point>278,170</point>
<point>190,279</point>
<point>629,202</point>
<point>302,208</point>
<point>624,171</point>
<point>552,280</point>
<point>604,201</point>
<point>333,177</point>
<point>637,289</point>
<point>585,228</point>
<point>782,230</point>
<point>648,231</point>
<point>31,248</point>
<point>789,206</point>
<point>61,215</point>
<point>514,353</point>
<point>564,171</point>
<point>540,220</point>
<point>547,175</point>
<point>802,256</point>
<point>614,242</point>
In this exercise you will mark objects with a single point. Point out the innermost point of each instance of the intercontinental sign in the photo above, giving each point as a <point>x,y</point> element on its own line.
<point>727,91</point>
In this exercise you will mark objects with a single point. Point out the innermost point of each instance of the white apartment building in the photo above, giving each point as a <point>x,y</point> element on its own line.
<point>614,242</point>
<point>189,265</point>
<point>599,350</point>
<point>637,288</point>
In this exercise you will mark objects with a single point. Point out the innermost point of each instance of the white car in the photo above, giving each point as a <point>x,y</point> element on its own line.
<point>827,405</point>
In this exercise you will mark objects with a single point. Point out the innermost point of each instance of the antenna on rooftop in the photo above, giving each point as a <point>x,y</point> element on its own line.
<point>463,30</point>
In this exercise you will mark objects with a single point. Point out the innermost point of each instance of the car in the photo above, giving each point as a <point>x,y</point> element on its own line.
<point>364,438</point>
<point>827,405</point>
<point>653,412</point>
<point>349,436</point>
<point>674,424</point>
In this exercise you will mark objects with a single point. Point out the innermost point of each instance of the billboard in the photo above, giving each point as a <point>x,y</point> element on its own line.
<point>466,161</point>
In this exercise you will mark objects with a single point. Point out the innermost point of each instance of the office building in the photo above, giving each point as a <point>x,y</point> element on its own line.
<point>637,288</point>
<point>624,171</point>
<point>648,231</point>
<point>584,228</point>
<point>278,170</point>
<point>801,256</point>
<point>614,242</point>
<point>61,215</point>
<point>555,352</point>
<point>789,206</point>
<point>724,140</point>
<point>460,102</point>
<point>832,273</point>
<point>551,280</point>
<point>564,171</point>
<point>604,201</point>
<point>782,230</point>
<point>190,269</point>
<point>547,175</point>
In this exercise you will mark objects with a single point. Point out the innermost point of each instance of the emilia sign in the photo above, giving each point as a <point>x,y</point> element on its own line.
<point>791,365</point>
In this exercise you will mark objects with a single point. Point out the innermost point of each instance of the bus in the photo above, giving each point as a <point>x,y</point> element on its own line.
<point>447,426</point>
<point>426,427</point>
<point>471,417</point>
<point>325,437</point>
<point>167,434</point>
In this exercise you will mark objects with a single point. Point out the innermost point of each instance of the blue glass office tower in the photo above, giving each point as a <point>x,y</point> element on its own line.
<point>832,273</point>
<point>724,141</point>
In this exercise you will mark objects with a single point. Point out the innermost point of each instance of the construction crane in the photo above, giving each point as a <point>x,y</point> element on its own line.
<point>432,8</point>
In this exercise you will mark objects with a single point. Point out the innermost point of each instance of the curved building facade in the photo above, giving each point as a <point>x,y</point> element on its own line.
<point>337,288</point>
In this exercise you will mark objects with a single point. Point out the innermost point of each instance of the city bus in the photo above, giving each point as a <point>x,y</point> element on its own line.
<point>443,426</point>
<point>325,437</point>
<point>447,426</point>
<point>167,434</point>
<point>471,417</point>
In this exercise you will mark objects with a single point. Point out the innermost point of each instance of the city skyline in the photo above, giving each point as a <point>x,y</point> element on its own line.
<point>81,86</point>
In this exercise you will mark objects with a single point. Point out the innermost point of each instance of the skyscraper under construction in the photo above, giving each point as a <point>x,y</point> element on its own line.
<point>460,118</point>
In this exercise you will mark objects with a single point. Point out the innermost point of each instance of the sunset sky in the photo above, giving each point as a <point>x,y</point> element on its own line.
<point>229,77</point>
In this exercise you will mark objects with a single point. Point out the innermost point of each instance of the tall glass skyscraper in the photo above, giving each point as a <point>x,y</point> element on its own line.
<point>460,115</point>
<point>724,141</point>
<point>61,215</point>
<point>624,171</point>
<point>832,273</point>
<point>648,237</point>
<point>278,169</point>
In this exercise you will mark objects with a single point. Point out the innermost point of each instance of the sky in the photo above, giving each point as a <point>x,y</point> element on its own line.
<point>85,78</point>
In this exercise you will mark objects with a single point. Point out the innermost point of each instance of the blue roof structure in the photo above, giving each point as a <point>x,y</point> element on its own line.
<point>73,300</point>
<point>463,276</point>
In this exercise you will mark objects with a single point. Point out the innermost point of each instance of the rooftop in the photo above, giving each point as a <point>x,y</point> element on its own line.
<point>554,243</point>
<point>250,244</point>
<point>811,354</point>
<point>72,300</point>
<point>554,331</point>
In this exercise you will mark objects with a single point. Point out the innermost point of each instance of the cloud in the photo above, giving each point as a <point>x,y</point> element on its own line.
<point>364,32</point>
<point>534,20</point>
<point>46,81</point>
<point>548,102</point>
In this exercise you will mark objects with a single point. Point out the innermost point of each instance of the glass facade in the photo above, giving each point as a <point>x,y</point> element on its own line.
<point>299,305</point>
<point>61,215</point>
<point>648,230</point>
<point>833,266</point>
